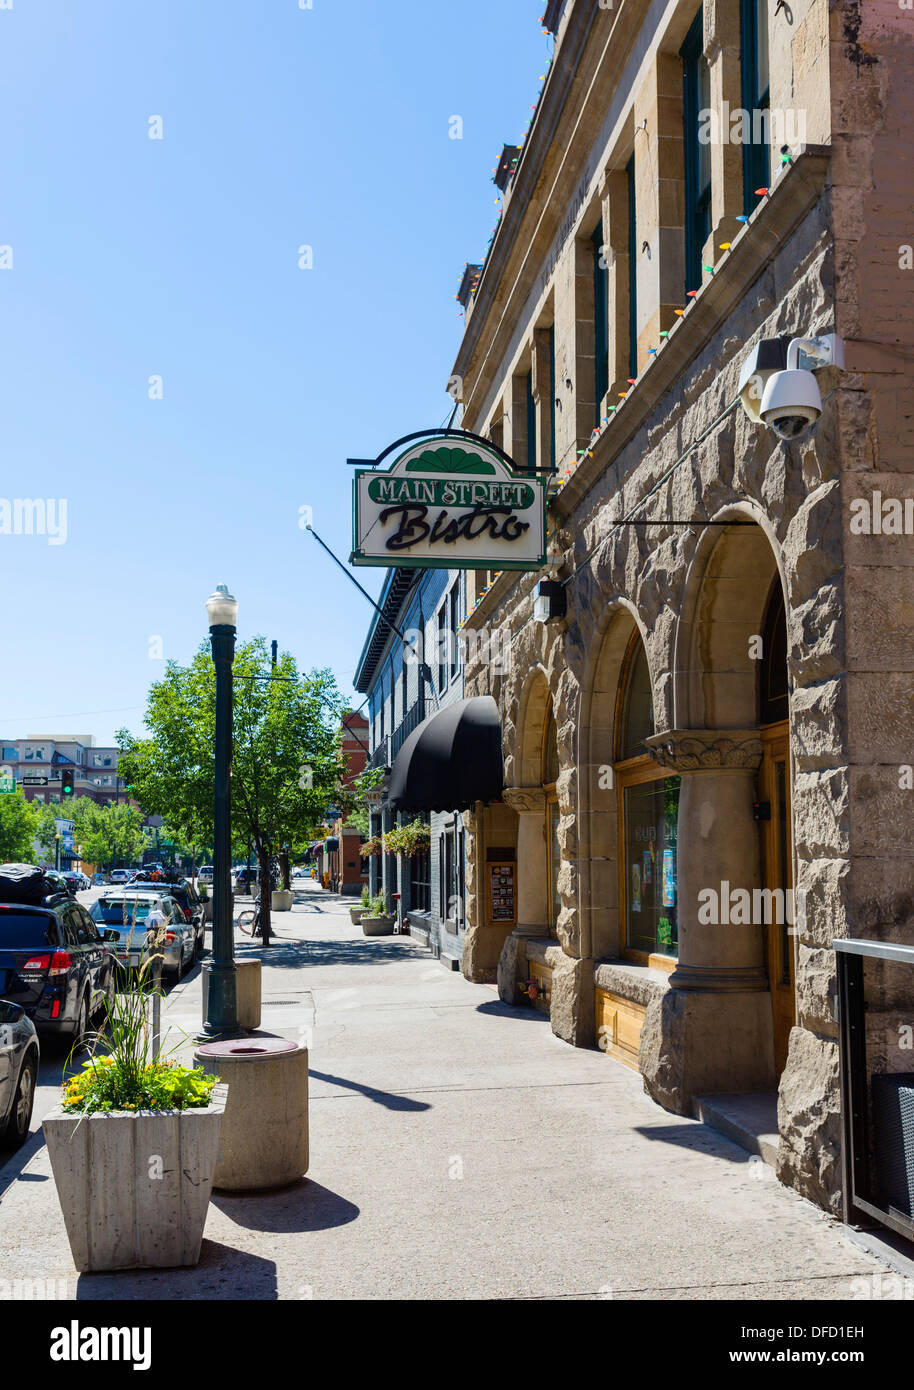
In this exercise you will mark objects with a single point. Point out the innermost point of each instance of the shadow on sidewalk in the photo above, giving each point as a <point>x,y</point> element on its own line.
<point>391,1099</point>
<point>502,1010</point>
<point>287,954</point>
<point>302,1206</point>
<point>221,1273</point>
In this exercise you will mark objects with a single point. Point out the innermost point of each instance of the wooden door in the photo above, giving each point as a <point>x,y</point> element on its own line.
<point>777,867</point>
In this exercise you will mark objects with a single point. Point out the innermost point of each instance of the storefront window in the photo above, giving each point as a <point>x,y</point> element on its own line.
<point>651,809</point>
<point>648,817</point>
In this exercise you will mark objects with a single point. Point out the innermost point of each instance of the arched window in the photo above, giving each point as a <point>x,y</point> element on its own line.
<point>772,669</point>
<point>648,806</point>
<point>637,713</point>
<point>550,751</point>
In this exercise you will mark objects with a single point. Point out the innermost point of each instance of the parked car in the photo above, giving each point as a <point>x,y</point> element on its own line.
<point>73,880</point>
<point>19,1057</point>
<point>138,923</point>
<point>205,873</point>
<point>120,875</point>
<point>188,899</point>
<point>247,880</point>
<point>54,964</point>
<point>84,880</point>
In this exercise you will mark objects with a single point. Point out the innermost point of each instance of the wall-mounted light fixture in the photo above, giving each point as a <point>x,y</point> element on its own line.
<point>549,601</point>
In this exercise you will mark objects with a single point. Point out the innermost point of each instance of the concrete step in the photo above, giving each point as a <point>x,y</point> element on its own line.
<point>749,1118</point>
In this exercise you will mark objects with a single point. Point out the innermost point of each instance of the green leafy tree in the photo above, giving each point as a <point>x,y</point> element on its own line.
<point>18,828</point>
<point>106,834</point>
<point>285,759</point>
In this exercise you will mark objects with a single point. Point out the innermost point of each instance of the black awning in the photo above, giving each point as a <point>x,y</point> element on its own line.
<point>451,760</point>
<point>331,844</point>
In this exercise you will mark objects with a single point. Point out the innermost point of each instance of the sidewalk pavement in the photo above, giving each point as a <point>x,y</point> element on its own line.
<point>459,1150</point>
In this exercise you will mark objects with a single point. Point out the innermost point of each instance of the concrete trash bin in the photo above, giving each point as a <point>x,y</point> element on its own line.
<point>247,992</point>
<point>264,1141</point>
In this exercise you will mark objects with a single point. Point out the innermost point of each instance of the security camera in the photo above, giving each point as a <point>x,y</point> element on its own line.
<point>791,402</point>
<point>775,392</point>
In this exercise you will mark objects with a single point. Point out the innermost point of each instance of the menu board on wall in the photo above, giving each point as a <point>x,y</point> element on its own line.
<point>501,893</point>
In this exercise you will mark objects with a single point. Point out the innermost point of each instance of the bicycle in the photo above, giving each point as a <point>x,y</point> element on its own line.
<point>249,920</point>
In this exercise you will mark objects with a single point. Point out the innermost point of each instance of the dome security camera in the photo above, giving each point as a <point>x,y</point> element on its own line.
<point>778,393</point>
<point>791,403</point>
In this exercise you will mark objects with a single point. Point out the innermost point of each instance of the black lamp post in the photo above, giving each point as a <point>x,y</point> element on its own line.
<point>222,1005</point>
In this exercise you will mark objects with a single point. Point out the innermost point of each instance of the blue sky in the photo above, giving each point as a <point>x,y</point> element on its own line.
<point>178,258</point>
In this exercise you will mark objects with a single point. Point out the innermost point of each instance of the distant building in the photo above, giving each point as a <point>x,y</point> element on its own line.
<point>38,764</point>
<point>341,859</point>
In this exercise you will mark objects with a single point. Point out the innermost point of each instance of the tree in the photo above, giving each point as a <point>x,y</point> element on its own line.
<point>18,827</point>
<point>286,765</point>
<point>107,833</point>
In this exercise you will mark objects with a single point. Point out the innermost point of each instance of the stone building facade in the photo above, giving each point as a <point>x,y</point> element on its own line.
<point>725,707</point>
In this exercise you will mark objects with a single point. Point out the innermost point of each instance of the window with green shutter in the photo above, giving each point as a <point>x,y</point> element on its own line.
<point>755,88</point>
<point>696,97</point>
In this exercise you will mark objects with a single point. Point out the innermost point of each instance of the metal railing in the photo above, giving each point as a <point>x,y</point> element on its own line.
<point>411,720</point>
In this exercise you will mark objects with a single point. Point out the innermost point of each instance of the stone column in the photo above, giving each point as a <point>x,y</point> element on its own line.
<point>532,907</point>
<point>713,1031</point>
<point>722,50</point>
<point>543,387</point>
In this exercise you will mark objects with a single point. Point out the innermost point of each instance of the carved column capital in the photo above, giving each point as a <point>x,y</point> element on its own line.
<point>525,800</point>
<point>707,750</point>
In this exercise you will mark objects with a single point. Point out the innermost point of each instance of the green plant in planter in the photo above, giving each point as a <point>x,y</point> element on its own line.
<point>377,906</point>
<point>129,1077</point>
<point>366,896</point>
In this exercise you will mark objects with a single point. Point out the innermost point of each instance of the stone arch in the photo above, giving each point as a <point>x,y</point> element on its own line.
<point>533,711</point>
<point>726,591</point>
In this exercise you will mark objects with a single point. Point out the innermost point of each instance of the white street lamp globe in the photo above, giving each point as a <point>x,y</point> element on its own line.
<point>222,608</point>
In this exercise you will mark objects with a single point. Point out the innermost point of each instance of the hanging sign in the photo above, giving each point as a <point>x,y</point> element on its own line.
<point>449,502</point>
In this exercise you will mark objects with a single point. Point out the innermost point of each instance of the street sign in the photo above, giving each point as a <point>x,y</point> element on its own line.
<point>7,780</point>
<point>449,502</point>
<point>34,781</point>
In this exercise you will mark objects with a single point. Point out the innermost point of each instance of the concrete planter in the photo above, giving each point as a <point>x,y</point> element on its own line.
<point>355,914</point>
<point>134,1188</point>
<point>378,926</point>
<point>281,900</point>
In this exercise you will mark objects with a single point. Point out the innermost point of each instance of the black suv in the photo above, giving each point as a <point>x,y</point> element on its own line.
<point>54,964</point>
<point>187,898</point>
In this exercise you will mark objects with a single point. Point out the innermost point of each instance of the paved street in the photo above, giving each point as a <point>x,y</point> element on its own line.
<point>459,1150</point>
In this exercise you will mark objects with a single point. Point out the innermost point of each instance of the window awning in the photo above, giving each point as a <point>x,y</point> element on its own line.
<point>331,844</point>
<point>453,759</point>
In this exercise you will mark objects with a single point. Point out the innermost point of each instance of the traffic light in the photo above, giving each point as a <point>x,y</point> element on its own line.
<point>67,780</point>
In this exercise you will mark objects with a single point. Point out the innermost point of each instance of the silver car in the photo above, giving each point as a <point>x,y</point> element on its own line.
<point>19,1055</point>
<point>140,924</point>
